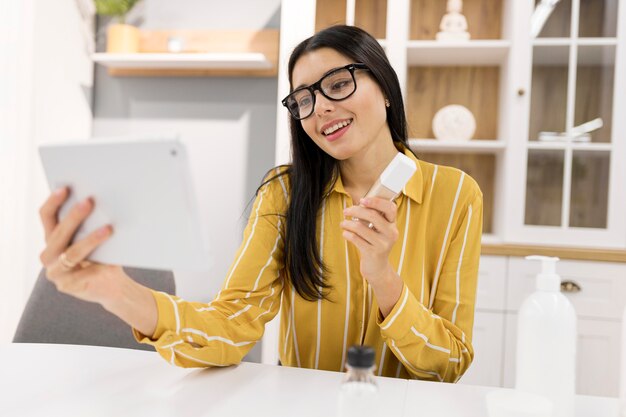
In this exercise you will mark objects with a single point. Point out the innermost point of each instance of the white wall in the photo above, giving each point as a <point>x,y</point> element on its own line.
<point>16,18</point>
<point>48,77</point>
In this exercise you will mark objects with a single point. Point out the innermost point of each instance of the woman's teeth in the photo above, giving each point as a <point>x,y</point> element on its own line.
<point>337,127</point>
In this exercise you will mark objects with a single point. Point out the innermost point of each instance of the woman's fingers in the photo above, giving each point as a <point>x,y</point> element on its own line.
<point>50,209</point>
<point>62,234</point>
<point>79,251</point>
<point>74,256</point>
<point>364,214</point>
<point>376,222</point>
<point>386,207</point>
<point>361,230</point>
<point>357,240</point>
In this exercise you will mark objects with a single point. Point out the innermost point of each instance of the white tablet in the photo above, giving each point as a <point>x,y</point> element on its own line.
<point>143,188</point>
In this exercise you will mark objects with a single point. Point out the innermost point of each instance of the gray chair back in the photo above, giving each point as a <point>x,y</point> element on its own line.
<point>54,317</point>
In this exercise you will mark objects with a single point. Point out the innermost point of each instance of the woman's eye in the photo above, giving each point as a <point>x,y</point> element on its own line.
<point>304,102</point>
<point>339,84</point>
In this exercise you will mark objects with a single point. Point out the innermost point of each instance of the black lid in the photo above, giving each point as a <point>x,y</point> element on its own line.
<point>361,356</point>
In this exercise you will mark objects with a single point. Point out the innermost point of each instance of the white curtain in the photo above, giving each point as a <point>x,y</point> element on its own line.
<point>46,79</point>
<point>16,150</point>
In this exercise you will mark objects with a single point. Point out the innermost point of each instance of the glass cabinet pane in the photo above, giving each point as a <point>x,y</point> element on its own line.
<point>598,18</point>
<point>559,22</point>
<point>544,188</point>
<point>590,189</point>
<point>594,88</point>
<point>548,97</point>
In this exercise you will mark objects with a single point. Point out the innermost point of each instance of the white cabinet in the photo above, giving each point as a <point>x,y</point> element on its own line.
<point>491,291</point>
<point>488,334</point>
<point>488,342</point>
<point>602,285</point>
<point>598,304</point>
<point>597,356</point>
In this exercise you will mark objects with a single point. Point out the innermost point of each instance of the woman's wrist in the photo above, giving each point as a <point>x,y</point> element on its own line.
<point>134,304</point>
<point>387,290</point>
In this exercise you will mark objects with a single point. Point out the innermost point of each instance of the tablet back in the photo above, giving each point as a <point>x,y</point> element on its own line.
<point>143,188</point>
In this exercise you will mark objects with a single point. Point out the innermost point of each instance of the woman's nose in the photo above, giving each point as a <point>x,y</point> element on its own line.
<point>323,104</point>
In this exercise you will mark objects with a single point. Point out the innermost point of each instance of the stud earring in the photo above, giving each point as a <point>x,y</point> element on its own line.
<point>387,103</point>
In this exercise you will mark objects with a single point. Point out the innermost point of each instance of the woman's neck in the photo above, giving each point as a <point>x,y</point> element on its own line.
<point>359,172</point>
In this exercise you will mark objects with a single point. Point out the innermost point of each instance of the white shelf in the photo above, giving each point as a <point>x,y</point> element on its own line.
<point>577,41</point>
<point>449,53</point>
<point>472,146</point>
<point>575,146</point>
<point>247,61</point>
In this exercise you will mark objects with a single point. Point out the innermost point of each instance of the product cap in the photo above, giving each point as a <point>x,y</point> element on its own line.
<point>361,356</point>
<point>547,280</point>
<point>398,172</point>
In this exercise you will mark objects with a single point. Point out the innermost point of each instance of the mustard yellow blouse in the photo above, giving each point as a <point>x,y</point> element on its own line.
<point>428,333</point>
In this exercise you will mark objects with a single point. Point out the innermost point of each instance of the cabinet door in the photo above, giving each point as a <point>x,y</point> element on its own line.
<point>597,355</point>
<point>488,336</point>
<point>602,286</point>
<point>572,187</point>
<point>491,290</point>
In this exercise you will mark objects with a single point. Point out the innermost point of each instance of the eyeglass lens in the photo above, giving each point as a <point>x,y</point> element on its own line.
<point>336,86</point>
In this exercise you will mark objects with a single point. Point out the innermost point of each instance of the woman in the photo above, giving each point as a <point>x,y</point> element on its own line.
<point>402,280</point>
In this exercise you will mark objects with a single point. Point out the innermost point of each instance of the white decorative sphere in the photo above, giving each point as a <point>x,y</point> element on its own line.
<point>454,123</point>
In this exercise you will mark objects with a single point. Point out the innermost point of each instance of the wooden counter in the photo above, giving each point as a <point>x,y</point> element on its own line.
<point>583,254</point>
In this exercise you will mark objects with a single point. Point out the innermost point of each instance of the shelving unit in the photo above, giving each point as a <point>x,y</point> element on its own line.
<point>539,197</point>
<point>515,87</point>
<point>204,53</point>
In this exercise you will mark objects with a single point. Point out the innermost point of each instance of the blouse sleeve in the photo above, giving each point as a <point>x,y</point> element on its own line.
<point>220,333</point>
<point>434,341</point>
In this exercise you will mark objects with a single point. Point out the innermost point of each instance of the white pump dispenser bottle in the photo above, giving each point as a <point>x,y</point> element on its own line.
<point>546,341</point>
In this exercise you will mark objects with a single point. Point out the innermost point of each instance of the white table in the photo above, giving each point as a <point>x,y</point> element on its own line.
<point>65,380</point>
<point>433,399</point>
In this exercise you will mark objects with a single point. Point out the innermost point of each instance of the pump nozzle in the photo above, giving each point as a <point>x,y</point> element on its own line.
<point>548,263</point>
<point>547,279</point>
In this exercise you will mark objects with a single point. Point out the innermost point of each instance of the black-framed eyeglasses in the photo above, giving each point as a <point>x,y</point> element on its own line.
<point>336,85</point>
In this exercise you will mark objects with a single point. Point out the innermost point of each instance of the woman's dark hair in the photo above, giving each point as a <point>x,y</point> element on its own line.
<point>313,172</point>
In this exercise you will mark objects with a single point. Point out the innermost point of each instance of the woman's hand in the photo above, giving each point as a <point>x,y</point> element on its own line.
<point>374,235</point>
<point>67,267</point>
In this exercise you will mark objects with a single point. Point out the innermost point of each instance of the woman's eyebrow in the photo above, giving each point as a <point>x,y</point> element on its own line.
<point>323,75</point>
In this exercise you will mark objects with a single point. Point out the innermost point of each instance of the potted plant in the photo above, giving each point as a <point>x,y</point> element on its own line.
<point>121,37</point>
